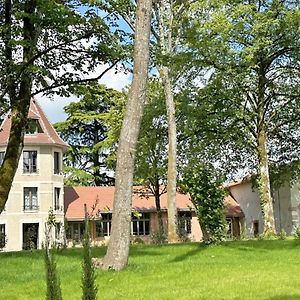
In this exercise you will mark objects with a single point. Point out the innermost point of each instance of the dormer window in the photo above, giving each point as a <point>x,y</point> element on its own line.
<point>33,127</point>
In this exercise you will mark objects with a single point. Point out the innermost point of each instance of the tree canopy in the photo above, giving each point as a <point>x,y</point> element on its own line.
<point>85,130</point>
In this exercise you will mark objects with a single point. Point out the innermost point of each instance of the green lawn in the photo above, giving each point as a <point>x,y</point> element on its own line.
<point>234,270</point>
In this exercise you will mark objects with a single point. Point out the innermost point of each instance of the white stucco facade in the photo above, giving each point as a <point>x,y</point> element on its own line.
<point>43,181</point>
<point>286,201</point>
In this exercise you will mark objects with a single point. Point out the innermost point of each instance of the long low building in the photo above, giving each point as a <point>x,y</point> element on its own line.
<point>144,224</point>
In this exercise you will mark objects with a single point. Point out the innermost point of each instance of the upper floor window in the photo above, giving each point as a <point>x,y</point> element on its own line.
<point>29,161</point>
<point>30,198</point>
<point>140,224</point>
<point>2,153</point>
<point>57,199</point>
<point>56,163</point>
<point>33,127</point>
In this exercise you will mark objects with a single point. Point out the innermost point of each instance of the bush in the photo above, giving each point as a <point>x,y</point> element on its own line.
<point>207,196</point>
<point>52,279</point>
<point>158,238</point>
<point>89,288</point>
<point>297,233</point>
<point>282,235</point>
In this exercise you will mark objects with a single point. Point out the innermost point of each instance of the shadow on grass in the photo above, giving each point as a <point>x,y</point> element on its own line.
<point>254,245</point>
<point>285,297</point>
<point>197,249</point>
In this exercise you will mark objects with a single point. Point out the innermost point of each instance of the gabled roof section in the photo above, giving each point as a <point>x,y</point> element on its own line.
<point>48,136</point>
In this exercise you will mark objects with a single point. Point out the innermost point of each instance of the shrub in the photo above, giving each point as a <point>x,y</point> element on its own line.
<point>89,288</point>
<point>207,196</point>
<point>158,238</point>
<point>282,235</point>
<point>297,233</point>
<point>52,279</point>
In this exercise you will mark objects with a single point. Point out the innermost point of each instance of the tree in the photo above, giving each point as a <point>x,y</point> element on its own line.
<point>118,248</point>
<point>251,50</point>
<point>47,45</point>
<point>85,130</point>
<point>204,188</point>
<point>52,279</point>
<point>89,288</point>
<point>152,156</point>
<point>165,28</point>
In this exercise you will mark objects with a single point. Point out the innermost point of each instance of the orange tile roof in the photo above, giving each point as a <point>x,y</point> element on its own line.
<point>100,199</point>
<point>48,137</point>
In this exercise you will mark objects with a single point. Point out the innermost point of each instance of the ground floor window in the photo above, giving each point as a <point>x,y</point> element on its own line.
<point>229,228</point>
<point>140,224</point>
<point>2,236</point>
<point>255,228</point>
<point>75,231</point>
<point>30,236</point>
<point>185,222</point>
<point>103,226</point>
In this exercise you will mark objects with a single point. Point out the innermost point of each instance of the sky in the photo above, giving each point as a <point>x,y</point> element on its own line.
<point>54,108</point>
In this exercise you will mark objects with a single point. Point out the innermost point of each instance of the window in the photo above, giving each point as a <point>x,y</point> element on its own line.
<point>30,198</point>
<point>57,230</point>
<point>140,225</point>
<point>255,228</point>
<point>57,199</point>
<point>103,226</point>
<point>29,161</point>
<point>2,236</point>
<point>229,227</point>
<point>33,127</point>
<point>185,222</point>
<point>56,163</point>
<point>2,153</point>
<point>75,231</point>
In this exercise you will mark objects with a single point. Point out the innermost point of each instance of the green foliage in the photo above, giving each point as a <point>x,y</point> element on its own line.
<point>297,233</point>
<point>246,55</point>
<point>282,235</point>
<point>207,196</point>
<point>52,279</point>
<point>86,132</point>
<point>89,288</point>
<point>158,238</point>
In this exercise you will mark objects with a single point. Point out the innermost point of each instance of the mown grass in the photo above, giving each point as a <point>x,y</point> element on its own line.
<point>233,270</point>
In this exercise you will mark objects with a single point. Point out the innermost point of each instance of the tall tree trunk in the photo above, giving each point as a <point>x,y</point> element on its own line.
<point>118,248</point>
<point>264,183</point>
<point>158,207</point>
<point>172,156</point>
<point>165,43</point>
<point>262,156</point>
<point>20,103</point>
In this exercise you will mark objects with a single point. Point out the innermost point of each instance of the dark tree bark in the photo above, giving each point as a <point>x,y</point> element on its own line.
<point>20,102</point>
<point>118,248</point>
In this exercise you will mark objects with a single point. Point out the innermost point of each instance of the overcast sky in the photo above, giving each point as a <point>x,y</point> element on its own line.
<point>54,108</point>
